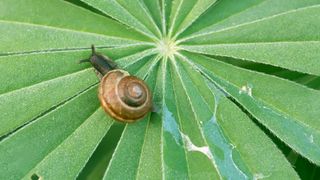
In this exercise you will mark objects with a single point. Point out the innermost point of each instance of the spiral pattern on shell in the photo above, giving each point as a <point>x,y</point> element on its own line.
<point>126,98</point>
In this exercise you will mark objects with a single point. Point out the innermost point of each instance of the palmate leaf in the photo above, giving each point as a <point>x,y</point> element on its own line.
<point>212,119</point>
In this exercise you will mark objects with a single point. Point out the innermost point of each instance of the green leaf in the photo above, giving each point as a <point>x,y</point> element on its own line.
<point>198,8</point>
<point>292,115</point>
<point>49,39</point>
<point>221,11</point>
<point>232,13</point>
<point>142,14</point>
<point>247,139</point>
<point>211,118</point>
<point>266,40</point>
<point>294,55</point>
<point>21,106</point>
<point>230,160</point>
<point>23,150</point>
<point>154,9</point>
<point>116,10</point>
<point>66,160</point>
<point>72,18</point>
<point>179,10</point>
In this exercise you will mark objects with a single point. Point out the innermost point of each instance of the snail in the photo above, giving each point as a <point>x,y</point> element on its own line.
<point>124,97</point>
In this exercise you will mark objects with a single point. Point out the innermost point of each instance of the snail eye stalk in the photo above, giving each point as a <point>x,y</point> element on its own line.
<point>101,63</point>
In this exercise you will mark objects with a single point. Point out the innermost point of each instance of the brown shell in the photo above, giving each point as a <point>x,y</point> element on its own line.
<point>125,98</point>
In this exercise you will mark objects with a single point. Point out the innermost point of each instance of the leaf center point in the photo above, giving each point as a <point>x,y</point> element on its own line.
<point>167,47</point>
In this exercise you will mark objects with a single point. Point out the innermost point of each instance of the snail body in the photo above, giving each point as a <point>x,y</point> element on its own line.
<point>124,97</point>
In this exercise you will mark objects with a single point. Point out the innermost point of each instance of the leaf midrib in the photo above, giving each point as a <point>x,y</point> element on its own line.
<point>246,23</point>
<point>94,34</point>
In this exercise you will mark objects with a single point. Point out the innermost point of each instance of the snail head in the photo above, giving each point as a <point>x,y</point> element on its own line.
<point>101,63</point>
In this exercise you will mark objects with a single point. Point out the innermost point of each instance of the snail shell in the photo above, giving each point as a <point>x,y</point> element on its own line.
<point>126,98</point>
